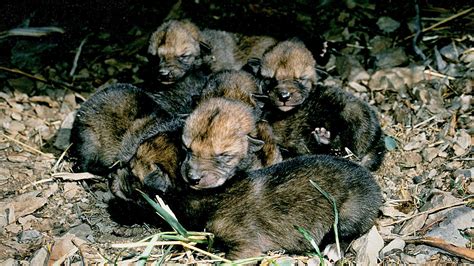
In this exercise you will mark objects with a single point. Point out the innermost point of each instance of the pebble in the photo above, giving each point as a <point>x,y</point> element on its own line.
<point>29,236</point>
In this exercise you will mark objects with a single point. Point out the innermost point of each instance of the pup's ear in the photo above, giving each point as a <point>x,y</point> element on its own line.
<point>253,65</point>
<point>205,48</point>
<point>255,144</point>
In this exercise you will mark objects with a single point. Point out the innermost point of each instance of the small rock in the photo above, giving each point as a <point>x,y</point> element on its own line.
<point>396,244</point>
<point>29,236</point>
<point>451,52</point>
<point>17,158</point>
<point>64,133</point>
<point>396,79</point>
<point>470,188</point>
<point>13,228</point>
<point>412,159</point>
<point>40,257</point>
<point>81,231</point>
<point>71,190</point>
<point>16,116</point>
<point>387,24</point>
<point>4,145</point>
<point>9,262</point>
<point>418,179</point>
<point>357,87</point>
<point>430,153</point>
<point>456,219</point>
<point>391,58</point>
<point>14,127</point>
<point>416,143</point>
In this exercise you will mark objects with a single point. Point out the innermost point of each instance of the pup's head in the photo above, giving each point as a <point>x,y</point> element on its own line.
<point>218,142</point>
<point>156,162</point>
<point>287,73</point>
<point>178,47</point>
<point>232,84</point>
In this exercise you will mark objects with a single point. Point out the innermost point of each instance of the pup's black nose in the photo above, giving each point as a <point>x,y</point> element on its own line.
<point>193,178</point>
<point>284,95</point>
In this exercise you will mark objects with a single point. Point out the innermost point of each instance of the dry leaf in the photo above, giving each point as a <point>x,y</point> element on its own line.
<point>368,247</point>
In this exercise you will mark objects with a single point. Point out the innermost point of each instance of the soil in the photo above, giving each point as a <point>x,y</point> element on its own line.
<point>423,99</point>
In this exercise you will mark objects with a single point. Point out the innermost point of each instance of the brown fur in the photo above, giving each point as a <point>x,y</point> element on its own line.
<point>109,127</point>
<point>154,168</point>
<point>259,212</point>
<point>181,46</point>
<point>217,137</point>
<point>241,86</point>
<point>298,106</point>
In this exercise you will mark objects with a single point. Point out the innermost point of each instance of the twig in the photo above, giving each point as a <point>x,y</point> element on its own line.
<point>424,122</point>
<point>46,180</point>
<point>52,82</point>
<point>466,253</point>
<point>167,243</point>
<point>76,57</point>
<point>418,29</point>
<point>27,146</point>
<point>19,72</point>
<point>74,176</point>
<point>56,165</point>
<point>463,252</point>
<point>427,212</point>
<point>439,75</point>
<point>442,22</point>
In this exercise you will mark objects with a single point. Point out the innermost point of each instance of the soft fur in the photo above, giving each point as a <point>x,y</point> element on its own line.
<point>180,46</point>
<point>303,113</point>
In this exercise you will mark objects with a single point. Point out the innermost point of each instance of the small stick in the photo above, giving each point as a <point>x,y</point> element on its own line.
<point>167,243</point>
<point>17,71</point>
<point>442,22</point>
<point>418,28</point>
<point>424,122</point>
<point>56,165</point>
<point>463,252</point>
<point>439,75</point>
<point>52,82</point>
<point>427,212</point>
<point>46,180</point>
<point>27,146</point>
<point>76,57</point>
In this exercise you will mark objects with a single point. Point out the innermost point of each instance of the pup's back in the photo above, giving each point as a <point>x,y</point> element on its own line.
<point>111,124</point>
<point>259,213</point>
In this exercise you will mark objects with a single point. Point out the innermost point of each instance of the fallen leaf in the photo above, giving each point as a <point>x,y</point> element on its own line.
<point>63,248</point>
<point>75,176</point>
<point>396,244</point>
<point>368,247</point>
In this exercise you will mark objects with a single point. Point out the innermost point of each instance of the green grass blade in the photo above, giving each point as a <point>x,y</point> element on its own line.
<point>310,239</point>
<point>166,216</point>
<point>331,199</point>
<point>146,253</point>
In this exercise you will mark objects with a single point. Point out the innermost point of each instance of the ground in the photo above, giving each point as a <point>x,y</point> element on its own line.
<point>423,99</point>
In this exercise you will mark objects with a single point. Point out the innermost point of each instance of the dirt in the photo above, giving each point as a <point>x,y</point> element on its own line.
<point>424,106</point>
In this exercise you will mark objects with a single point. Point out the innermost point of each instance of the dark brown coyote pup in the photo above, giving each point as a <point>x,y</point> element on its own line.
<point>110,126</point>
<point>307,118</point>
<point>219,136</point>
<point>260,211</point>
<point>180,47</point>
<point>241,86</point>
